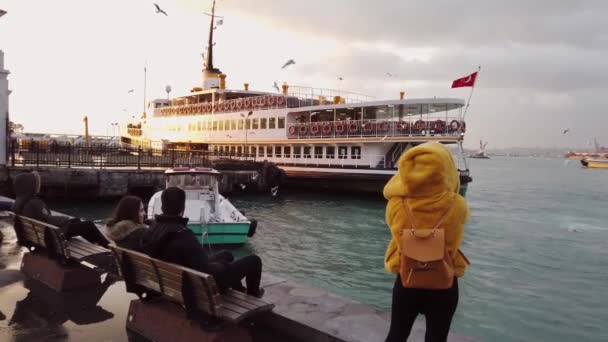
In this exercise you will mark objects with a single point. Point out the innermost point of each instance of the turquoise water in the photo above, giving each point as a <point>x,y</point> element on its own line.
<point>537,240</point>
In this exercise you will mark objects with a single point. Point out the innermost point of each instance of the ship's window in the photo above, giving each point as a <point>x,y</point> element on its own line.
<point>268,151</point>
<point>239,150</point>
<point>253,151</point>
<point>297,152</point>
<point>220,125</point>
<point>248,123</point>
<point>272,123</point>
<point>214,125</point>
<point>255,123</point>
<point>342,152</point>
<point>227,125</point>
<point>200,126</point>
<point>261,151</point>
<point>233,149</point>
<point>233,125</point>
<point>307,152</point>
<point>330,152</point>
<point>281,122</point>
<point>287,151</point>
<point>240,123</point>
<point>263,123</point>
<point>278,151</point>
<point>355,152</point>
<point>318,151</point>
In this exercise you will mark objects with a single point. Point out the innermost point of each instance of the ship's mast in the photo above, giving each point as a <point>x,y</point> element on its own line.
<point>212,77</point>
<point>209,59</point>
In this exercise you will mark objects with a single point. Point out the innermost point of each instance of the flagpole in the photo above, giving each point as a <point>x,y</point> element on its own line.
<point>466,108</point>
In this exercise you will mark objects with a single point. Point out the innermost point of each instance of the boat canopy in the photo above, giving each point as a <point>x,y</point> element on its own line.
<point>199,178</point>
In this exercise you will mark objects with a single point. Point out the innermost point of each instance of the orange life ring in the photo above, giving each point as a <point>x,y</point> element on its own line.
<point>271,100</point>
<point>292,130</point>
<point>438,126</point>
<point>303,129</point>
<point>384,126</point>
<point>232,104</point>
<point>280,100</point>
<point>454,125</point>
<point>402,126</point>
<point>368,127</point>
<point>262,101</point>
<point>247,103</point>
<point>353,127</point>
<point>314,129</point>
<point>209,107</point>
<point>340,128</point>
<point>327,128</point>
<point>239,103</point>
<point>463,126</point>
<point>420,126</point>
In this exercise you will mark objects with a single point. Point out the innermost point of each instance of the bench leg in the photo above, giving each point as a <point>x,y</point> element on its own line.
<point>165,321</point>
<point>57,276</point>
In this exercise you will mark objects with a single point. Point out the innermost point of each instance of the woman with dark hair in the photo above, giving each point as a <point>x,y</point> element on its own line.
<point>126,227</point>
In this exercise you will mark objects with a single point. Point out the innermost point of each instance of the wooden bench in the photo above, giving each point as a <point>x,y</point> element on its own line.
<point>196,292</point>
<point>60,263</point>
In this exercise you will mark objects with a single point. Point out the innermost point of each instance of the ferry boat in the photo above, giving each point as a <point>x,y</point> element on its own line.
<point>320,137</point>
<point>212,218</point>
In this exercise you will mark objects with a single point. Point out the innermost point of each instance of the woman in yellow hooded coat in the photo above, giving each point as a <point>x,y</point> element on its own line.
<point>429,183</point>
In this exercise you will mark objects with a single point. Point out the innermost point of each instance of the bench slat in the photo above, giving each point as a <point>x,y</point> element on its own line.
<point>240,302</point>
<point>164,273</point>
<point>87,246</point>
<point>246,297</point>
<point>78,249</point>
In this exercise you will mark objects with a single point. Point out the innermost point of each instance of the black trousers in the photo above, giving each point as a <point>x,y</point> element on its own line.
<point>86,229</point>
<point>250,268</point>
<point>438,307</point>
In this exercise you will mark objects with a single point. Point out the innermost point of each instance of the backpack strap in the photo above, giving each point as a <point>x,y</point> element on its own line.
<point>410,216</point>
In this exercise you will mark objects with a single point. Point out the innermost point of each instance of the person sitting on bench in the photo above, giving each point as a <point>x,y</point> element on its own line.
<point>127,226</point>
<point>169,239</point>
<point>27,203</point>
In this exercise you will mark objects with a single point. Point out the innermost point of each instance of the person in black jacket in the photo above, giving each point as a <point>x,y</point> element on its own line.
<point>127,228</point>
<point>27,203</point>
<point>169,239</point>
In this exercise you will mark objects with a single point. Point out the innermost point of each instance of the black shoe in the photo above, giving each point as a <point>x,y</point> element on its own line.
<point>258,294</point>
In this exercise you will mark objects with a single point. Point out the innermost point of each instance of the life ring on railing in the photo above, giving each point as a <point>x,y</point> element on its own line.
<point>247,103</point>
<point>280,100</point>
<point>239,103</point>
<point>402,126</point>
<point>463,126</point>
<point>454,125</point>
<point>262,101</point>
<point>340,128</point>
<point>353,127</point>
<point>384,127</point>
<point>314,129</point>
<point>303,129</point>
<point>327,128</point>
<point>233,105</point>
<point>419,126</point>
<point>368,127</point>
<point>292,130</point>
<point>438,126</point>
<point>271,100</point>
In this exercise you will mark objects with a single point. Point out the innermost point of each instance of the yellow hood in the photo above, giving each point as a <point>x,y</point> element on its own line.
<point>428,181</point>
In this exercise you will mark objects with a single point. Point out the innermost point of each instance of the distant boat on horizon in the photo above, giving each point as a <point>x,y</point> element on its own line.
<point>481,154</point>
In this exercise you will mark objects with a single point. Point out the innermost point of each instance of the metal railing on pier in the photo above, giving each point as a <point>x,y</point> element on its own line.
<point>103,156</point>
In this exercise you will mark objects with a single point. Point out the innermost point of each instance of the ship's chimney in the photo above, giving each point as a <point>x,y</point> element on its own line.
<point>222,81</point>
<point>285,88</point>
<point>401,95</point>
<point>246,85</point>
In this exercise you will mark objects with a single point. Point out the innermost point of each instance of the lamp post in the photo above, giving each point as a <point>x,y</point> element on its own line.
<point>246,134</point>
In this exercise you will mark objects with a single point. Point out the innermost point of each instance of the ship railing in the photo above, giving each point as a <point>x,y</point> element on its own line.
<point>336,161</point>
<point>410,126</point>
<point>270,101</point>
<point>308,96</point>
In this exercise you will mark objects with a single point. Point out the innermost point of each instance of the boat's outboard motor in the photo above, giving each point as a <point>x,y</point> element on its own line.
<point>252,228</point>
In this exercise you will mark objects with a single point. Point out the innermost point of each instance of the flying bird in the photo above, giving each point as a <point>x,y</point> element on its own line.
<point>276,86</point>
<point>566,130</point>
<point>288,63</point>
<point>131,90</point>
<point>274,191</point>
<point>389,74</point>
<point>340,78</point>
<point>254,177</point>
<point>243,186</point>
<point>159,10</point>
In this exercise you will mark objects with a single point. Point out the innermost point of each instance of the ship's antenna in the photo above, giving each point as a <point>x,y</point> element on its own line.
<point>145,83</point>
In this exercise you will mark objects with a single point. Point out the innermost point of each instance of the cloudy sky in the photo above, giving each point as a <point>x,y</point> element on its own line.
<point>544,63</point>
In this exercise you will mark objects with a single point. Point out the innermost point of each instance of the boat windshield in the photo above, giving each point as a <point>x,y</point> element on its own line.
<point>191,181</point>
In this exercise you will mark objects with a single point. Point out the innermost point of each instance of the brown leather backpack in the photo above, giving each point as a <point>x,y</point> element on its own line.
<point>425,260</point>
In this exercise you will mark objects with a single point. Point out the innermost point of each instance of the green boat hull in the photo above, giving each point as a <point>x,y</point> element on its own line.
<point>221,233</point>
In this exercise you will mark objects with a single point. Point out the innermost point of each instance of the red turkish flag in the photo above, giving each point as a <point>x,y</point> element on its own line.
<point>467,81</point>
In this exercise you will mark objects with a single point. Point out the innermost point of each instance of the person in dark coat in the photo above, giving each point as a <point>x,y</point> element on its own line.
<point>28,204</point>
<point>169,239</point>
<point>127,228</point>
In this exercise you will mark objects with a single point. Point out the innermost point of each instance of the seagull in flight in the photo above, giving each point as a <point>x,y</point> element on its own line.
<point>243,186</point>
<point>159,10</point>
<point>131,90</point>
<point>276,86</point>
<point>288,63</point>
<point>340,78</point>
<point>274,191</point>
<point>389,74</point>
<point>254,177</point>
<point>566,130</point>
